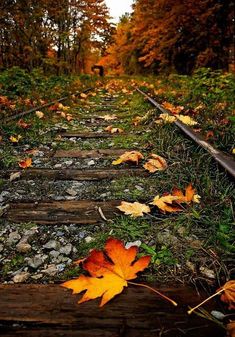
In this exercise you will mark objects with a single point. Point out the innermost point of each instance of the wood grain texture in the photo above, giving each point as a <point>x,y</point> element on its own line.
<point>61,212</point>
<point>87,135</point>
<point>89,153</point>
<point>49,310</point>
<point>75,174</point>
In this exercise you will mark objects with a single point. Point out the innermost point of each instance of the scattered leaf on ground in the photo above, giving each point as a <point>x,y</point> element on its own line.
<point>108,277</point>
<point>39,114</point>
<point>14,176</point>
<point>130,156</point>
<point>189,195</point>
<point>187,120</point>
<point>165,203</point>
<point>114,130</point>
<point>23,124</point>
<point>25,163</point>
<point>135,209</point>
<point>108,117</point>
<point>173,109</point>
<point>167,118</point>
<point>228,295</point>
<point>157,163</point>
<point>15,139</point>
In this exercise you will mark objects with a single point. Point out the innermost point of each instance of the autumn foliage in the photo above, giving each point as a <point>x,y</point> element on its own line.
<point>172,35</point>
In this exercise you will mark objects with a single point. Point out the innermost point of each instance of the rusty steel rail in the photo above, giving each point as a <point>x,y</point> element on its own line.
<point>222,158</point>
<point>40,107</point>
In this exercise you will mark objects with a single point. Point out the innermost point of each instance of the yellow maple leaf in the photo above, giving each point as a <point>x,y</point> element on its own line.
<point>165,203</point>
<point>130,156</point>
<point>39,114</point>
<point>15,139</point>
<point>82,95</point>
<point>108,277</point>
<point>108,117</point>
<point>167,118</point>
<point>157,163</point>
<point>135,209</point>
<point>187,120</point>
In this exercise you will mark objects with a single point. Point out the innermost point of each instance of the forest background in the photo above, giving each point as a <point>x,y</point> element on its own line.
<point>69,36</point>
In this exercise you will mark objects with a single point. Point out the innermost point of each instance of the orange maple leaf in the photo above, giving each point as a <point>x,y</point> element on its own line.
<point>157,163</point>
<point>166,203</point>
<point>189,195</point>
<point>135,209</point>
<point>25,163</point>
<point>108,278</point>
<point>113,130</point>
<point>132,156</point>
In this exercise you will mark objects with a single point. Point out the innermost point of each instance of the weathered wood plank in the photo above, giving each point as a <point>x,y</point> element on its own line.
<point>75,174</point>
<point>87,135</point>
<point>61,212</point>
<point>49,310</point>
<point>89,153</point>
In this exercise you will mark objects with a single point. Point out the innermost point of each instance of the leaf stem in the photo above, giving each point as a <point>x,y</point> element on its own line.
<point>155,291</point>
<point>207,299</point>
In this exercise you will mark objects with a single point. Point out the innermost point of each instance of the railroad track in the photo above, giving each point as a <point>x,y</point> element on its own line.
<point>48,310</point>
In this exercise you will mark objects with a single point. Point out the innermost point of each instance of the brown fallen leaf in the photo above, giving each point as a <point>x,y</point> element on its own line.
<point>130,156</point>
<point>157,163</point>
<point>228,295</point>
<point>23,124</point>
<point>135,209</point>
<point>25,163</point>
<point>230,327</point>
<point>137,120</point>
<point>166,203</point>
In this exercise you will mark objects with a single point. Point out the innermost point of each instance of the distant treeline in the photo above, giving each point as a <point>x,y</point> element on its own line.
<point>61,36</point>
<point>173,35</point>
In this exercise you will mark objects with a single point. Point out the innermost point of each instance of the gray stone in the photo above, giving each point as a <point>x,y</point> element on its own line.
<point>91,163</point>
<point>68,162</point>
<point>67,249</point>
<point>23,247</point>
<point>139,188</point>
<point>21,277</point>
<point>60,267</point>
<point>52,244</point>
<point>54,254</point>
<point>1,247</point>
<point>51,270</point>
<point>37,261</point>
<point>58,165</point>
<point>71,192</point>
<point>37,276</point>
<point>88,239</point>
<point>13,238</point>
